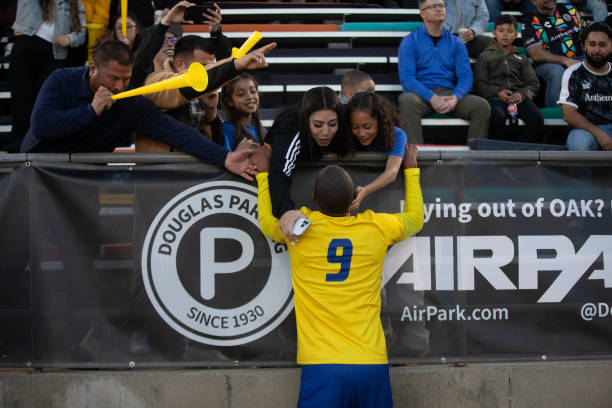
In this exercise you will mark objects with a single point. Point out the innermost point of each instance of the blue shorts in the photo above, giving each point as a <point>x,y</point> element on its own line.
<point>345,386</point>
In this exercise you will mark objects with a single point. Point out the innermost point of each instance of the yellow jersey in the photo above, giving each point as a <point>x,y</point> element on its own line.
<point>336,271</point>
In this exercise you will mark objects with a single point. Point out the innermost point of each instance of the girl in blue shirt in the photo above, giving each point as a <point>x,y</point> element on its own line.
<point>241,102</point>
<point>374,127</point>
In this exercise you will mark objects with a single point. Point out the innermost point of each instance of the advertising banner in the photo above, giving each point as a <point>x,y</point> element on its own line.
<point>166,265</point>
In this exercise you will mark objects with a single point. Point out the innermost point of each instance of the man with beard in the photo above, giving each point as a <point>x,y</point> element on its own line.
<point>586,93</point>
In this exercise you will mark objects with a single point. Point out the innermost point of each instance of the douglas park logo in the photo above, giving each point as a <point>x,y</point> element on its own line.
<point>209,271</point>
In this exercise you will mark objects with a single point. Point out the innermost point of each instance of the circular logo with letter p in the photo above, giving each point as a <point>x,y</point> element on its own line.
<point>209,271</point>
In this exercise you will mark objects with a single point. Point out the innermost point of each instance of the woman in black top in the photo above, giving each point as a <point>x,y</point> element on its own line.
<point>303,132</point>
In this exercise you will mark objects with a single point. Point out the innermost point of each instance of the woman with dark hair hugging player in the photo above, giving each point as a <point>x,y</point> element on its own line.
<point>303,132</point>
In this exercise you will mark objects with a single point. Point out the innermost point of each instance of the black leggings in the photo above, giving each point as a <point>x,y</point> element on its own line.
<point>31,63</point>
<point>532,132</point>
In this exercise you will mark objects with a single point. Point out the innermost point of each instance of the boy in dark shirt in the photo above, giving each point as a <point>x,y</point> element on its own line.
<point>503,75</point>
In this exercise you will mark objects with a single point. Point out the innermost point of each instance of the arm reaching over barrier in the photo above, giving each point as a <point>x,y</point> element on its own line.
<point>374,126</point>
<point>238,162</point>
<point>61,122</point>
<point>413,215</point>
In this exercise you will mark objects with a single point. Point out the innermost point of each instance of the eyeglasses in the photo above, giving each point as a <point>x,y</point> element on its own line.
<point>171,40</point>
<point>128,27</point>
<point>434,6</point>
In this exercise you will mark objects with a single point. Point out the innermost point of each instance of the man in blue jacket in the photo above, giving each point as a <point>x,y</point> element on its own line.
<point>74,113</point>
<point>435,73</point>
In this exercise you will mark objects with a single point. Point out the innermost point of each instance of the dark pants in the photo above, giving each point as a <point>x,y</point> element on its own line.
<point>478,45</point>
<point>473,108</point>
<point>31,63</point>
<point>532,132</point>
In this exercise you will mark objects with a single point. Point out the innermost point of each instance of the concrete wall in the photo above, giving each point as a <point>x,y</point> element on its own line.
<point>558,385</point>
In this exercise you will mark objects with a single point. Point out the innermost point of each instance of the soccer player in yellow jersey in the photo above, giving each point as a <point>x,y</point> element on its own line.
<point>336,270</point>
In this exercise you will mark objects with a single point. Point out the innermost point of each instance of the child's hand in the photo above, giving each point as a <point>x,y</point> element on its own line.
<point>516,98</point>
<point>246,144</point>
<point>504,95</point>
<point>209,104</point>
<point>360,194</point>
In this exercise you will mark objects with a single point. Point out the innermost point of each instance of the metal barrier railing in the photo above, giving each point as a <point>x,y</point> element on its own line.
<point>361,157</point>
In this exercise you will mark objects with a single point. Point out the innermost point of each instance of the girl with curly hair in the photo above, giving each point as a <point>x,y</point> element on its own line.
<point>373,126</point>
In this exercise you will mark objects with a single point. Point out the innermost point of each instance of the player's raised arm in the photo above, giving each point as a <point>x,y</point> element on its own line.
<point>267,222</point>
<point>413,199</point>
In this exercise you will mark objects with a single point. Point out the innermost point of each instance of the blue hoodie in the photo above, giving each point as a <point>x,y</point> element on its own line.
<point>424,66</point>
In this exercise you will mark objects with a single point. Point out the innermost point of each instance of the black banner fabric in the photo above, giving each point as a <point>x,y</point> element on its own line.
<point>166,265</point>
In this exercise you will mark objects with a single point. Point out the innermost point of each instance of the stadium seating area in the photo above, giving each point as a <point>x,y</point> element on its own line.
<point>5,95</point>
<point>317,44</point>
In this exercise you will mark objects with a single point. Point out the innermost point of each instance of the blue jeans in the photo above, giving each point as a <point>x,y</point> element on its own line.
<point>597,8</point>
<point>495,8</point>
<point>581,140</point>
<point>552,75</point>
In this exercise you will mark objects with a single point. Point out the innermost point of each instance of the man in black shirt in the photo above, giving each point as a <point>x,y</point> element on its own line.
<point>586,93</point>
<point>552,37</point>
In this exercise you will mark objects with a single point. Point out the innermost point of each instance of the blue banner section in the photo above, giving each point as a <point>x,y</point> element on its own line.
<point>166,265</point>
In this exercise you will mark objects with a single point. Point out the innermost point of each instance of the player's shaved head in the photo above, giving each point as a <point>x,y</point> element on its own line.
<point>334,191</point>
